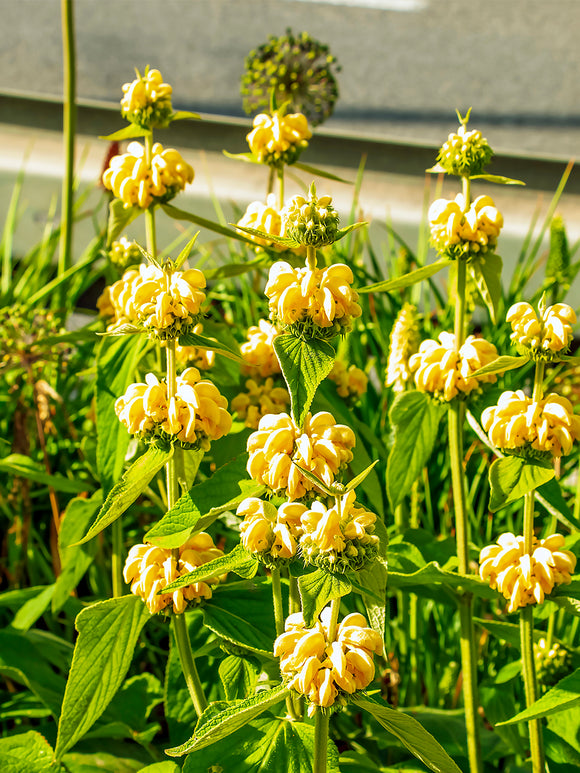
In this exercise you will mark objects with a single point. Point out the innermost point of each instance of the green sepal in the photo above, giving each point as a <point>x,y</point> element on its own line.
<point>399,283</point>
<point>496,178</point>
<point>134,481</point>
<point>319,588</point>
<point>486,273</point>
<point>410,732</point>
<point>305,364</point>
<point>213,727</point>
<point>132,131</point>
<point>203,342</point>
<point>513,477</point>
<point>238,558</point>
<point>500,365</point>
<point>180,214</point>
<point>120,217</point>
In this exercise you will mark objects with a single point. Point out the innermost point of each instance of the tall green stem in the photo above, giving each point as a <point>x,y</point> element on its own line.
<point>311,257</point>
<point>280,188</point>
<point>69,126</point>
<point>456,422</point>
<point>150,230</point>
<point>192,680</point>
<point>323,718</point>
<point>277,599</point>
<point>117,558</point>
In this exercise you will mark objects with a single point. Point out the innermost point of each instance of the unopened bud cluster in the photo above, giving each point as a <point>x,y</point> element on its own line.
<point>465,153</point>
<point>258,350</point>
<point>534,428</point>
<point>351,382</point>
<point>147,100</point>
<point>404,342</point>
<point>526,578</point>
<point>311,220</point>
<point>123,254</point>
<point>138,183</point>
<point>552,662</point>
<point>192,418</point>
<point>446,373</point>
<point>543,337</point>
<point>318,303</point>
<point>264,217</point>
<point>270,533</point>
<point>279,139</point>
<point>149,569</point>
<point>326,669</point>
<point>166,303</point>
<point>457,233</point>
<point>323,447</point>
<point>258,400</point>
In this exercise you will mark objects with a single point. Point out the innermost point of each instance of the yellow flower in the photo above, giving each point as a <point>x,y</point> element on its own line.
<point>525,578</point>
<point>323,298</point>
<point>340,537</point>
<point>194,416</point>
<point>279,139</point>
<point>457,233</point>
<point>445,373</point>
<point>149,569</point>
<point>259,400</point>
<point>185,356</point>
<point>350,383</point>
<point>164,302</point>
<point>404,342</point>
<point>324,669</point>
<point>147,100</point>
<point>139,185</point>
<point>258,350</point>
<point>322,447</point>
<point>268,532</point>
<point>517,422</point>
<point>266,218</point>
<point>544,336</point>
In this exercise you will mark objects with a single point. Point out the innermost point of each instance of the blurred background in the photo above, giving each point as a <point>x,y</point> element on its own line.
<point>406,66</point>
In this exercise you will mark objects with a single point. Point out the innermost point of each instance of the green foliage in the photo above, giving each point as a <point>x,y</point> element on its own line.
<point>513,477</point>
<point>565,695</point>
<point>319,588</point>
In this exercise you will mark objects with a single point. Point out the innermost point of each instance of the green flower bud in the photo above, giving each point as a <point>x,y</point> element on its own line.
<point>311,221</point>
<point>465,153</point>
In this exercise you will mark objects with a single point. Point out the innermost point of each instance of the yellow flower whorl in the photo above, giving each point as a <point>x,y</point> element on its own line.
<point>268,532</point>
<point>545,336</point>
<point>445,373</point>
<point>139,185</point>
<point>518,422</point>
<point>258,350</point>
<point>350,382</point>
<point>149,569</point>
<point>264,217</point>
<point>404,342</point>
<point>260,400</point>
<point>323,670</point>
<point>523,578</point>
<point>319,298</point>
<point>147,100</point>
<point>278,139</point>
<point>322,447</point>
<point>456,233</point>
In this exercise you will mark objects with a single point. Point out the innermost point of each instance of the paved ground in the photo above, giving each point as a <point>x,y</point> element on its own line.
<point>407,64</point>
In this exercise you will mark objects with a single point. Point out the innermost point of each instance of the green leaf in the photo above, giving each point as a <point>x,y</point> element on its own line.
<point>559,750</point>
<point>236,559</point>
<point>34,608</point>
<point>265,744</point>
<point>304,365</point>
<point>415,417</point>
<point>348,229</point>
<point>119,218</point>
<point>242,613</point>
<point>501,365</point>
<point>24,467</point>
<point>238,677</point>
<point>486,272</point>
<point>410,732</point>
<point>125,492</point>
<point>513,477</point>
<point>236,269</point>
<point>185,115</point>
<point>26,753</point>
<point>319,588</point>
<point>108,632</point>
<point>319,172</point>
<point>509,632</point>
<point>186,251</point>
<point>496,178</point>
<point>360,477</point>
<point>432,575</point>
<point>229,720</point>
<point>116,362</point>
<point>565,695</point>
<point>122,330</point>
<point>390,285</point>
<point>282,240</point>
<point>176,525</point>
<point>180,214</point>
<point>249,158</point>
<point>202,342</point>
<point>126,133</point>
<point>74,560</point>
